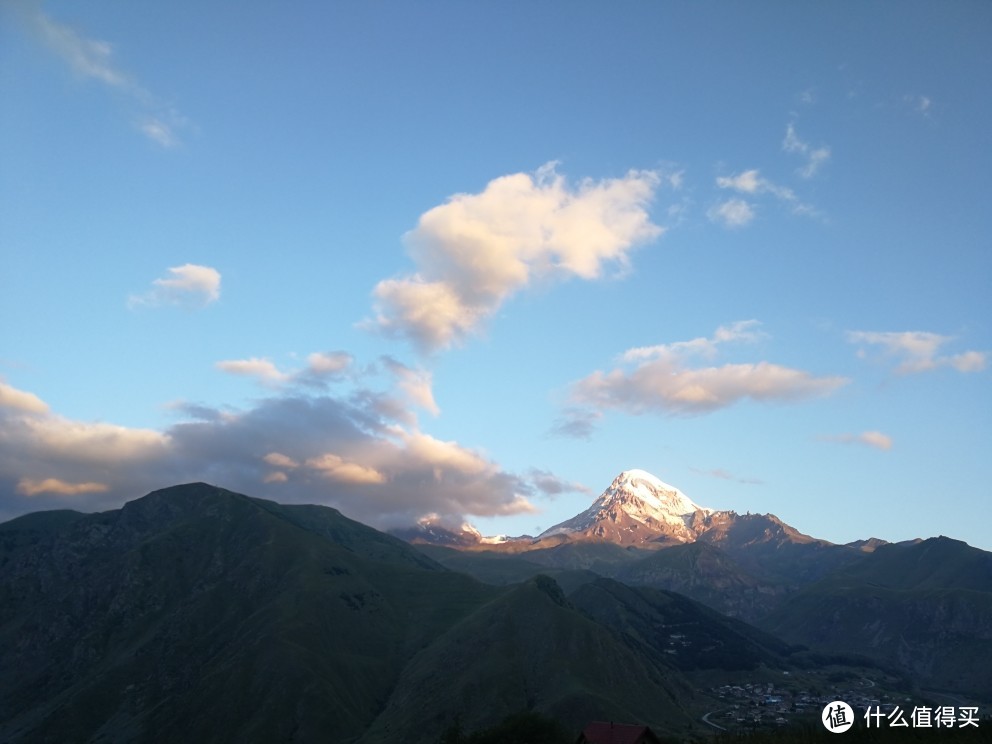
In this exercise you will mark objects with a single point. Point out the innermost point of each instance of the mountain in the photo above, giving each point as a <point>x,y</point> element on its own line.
<point>923,606</point>
<point>198,614</point>
<point>637,508</point>
<point>643,531</point>
<point>530,649</point>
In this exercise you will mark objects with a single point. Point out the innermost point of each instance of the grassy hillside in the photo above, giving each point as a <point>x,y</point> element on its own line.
<point>529,649</point>
<point>923,607</point>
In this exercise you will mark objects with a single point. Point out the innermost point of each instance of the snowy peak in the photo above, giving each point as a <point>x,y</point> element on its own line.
<point>643,493</point>
<point>637,507</point>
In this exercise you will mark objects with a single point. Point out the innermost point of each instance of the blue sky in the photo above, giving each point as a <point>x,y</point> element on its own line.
<point>475,259</point>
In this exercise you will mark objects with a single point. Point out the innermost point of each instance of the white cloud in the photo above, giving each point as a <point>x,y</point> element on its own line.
<point>475,251</point>
<point>732,213</point>
<point>659,379</point>
<point>189,285</point>
<point>93,59</point>
<point>815,156</point>
<point>875,439</point>
<point>751,182</point>
<point>918,351</point>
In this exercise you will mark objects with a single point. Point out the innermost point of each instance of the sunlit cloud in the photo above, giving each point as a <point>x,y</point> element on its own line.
<point>32,487</point>
<point>917,351</point>
<point>11,397</point>
<point>350,451</point>
<point>661,379</point>
<point>190,285</point>
<point>477,250</point>
<point>321,367</point>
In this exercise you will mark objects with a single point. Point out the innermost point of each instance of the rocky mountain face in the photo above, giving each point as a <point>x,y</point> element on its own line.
<point>636,509</point>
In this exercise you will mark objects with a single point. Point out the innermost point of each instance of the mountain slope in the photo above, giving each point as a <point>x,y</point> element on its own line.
<point>531,650</point>
<point>200,614</point>
<point>925,607</point>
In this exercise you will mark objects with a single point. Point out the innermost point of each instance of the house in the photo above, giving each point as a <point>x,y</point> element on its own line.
<point>599,732</point>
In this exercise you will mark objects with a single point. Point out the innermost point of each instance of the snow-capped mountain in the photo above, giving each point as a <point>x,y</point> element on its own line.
<point>636,508</point>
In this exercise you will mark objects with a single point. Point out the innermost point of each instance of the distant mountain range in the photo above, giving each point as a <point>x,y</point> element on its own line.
<point>198,614</point>
<point>924,607</point>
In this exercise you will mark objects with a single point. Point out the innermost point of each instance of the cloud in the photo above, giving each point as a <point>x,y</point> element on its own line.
<point>923,105</point>
<point>11,397</point>
<point>321,368</point>
<point>339,470</point>
<point>551,485</point>
<point>262,370</point>
<point>477,250</point>
<point>349,451</point>
<point>875,439</point>
<point>575,423</point>
<point>189,285</point>
<point>732,213</point>
<point>32,487</point>
<point>918,351</point>
<point>93,59</point>
<point>737,212</point>
<point>815,156</point>
<point>659,379</point>
<point>751,182</point>
<point>728,476</point>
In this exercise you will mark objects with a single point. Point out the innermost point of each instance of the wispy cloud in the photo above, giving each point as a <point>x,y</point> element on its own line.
<point>93,59</point>
<point>661,379</point>
<point>551,485</point>
<point>922,105</point>
<point>874,439</point>
<point>738,212</point>
<point>190,285</point>
<point>917,351</point>
<point>477,250</point>
<point>726,475</point>
<point>576,423</point>
<point>815,157</point>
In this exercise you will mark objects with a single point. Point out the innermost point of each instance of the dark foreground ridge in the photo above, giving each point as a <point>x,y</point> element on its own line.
<point>198,614</point>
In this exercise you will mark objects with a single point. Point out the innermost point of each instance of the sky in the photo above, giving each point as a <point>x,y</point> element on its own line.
<point>473,260</point>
